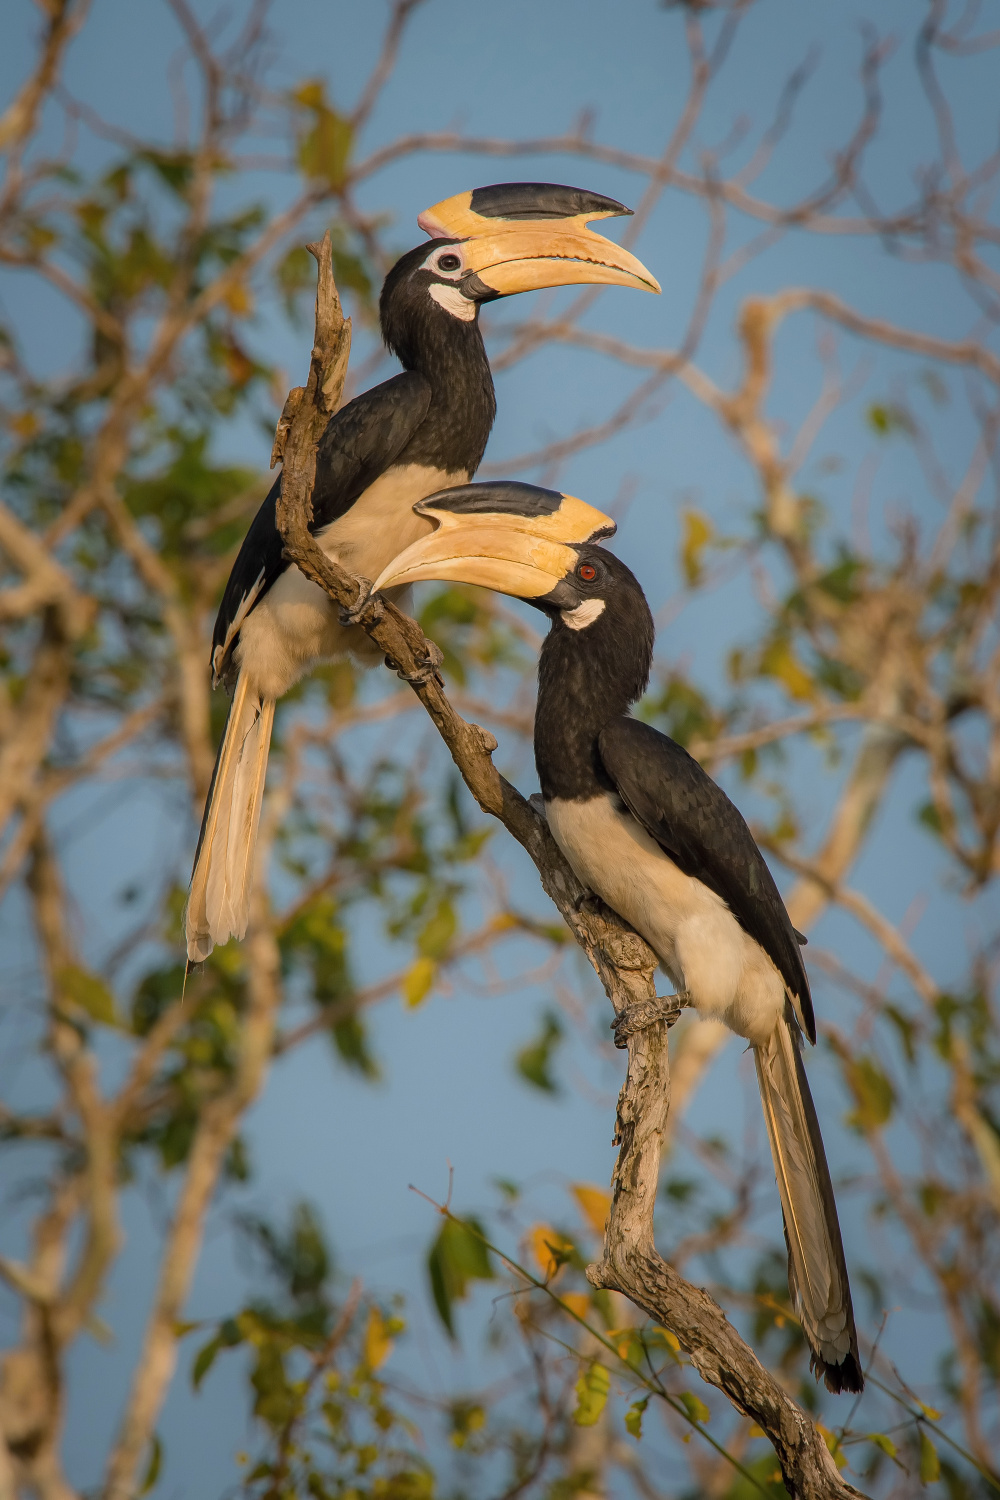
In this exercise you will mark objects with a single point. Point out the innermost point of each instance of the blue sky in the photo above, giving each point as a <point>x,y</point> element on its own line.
<point>518,68</point>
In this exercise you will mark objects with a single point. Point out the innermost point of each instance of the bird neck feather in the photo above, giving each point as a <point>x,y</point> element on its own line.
<point>451,357</point>
<point>586,678</point>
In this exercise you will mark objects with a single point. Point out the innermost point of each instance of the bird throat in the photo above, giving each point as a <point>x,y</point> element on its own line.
<point>450,355</point>
<point>585,679</point>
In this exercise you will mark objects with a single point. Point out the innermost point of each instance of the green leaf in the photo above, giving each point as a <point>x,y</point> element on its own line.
<point>633,1417</point>
<point>534,1062</point>
<point>152,1473</point>
<point>276,1401</point>
<point>906,1029</point>
<point>324,149</point>
<point>175,168</point>
<point>351,1040</point>
<point>591,1394</point>
<point>930,1464</point>
<point>873,1093</point>
<point>886,418</point>
<point>204,1361</point>
<point>930,817</point>
<point>698,532</point>
<point>694,1406</point>
<point>457,1257</point>
<point>437,933</point>
<point>88,992</point>
<point>885,1443</point>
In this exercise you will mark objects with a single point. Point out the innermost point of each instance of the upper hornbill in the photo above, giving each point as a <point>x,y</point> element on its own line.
<point>652,834</point>
<point>388,447</point>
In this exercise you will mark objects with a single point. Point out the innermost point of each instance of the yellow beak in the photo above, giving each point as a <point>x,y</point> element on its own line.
<point>519,237</point>
<point>515,538</point>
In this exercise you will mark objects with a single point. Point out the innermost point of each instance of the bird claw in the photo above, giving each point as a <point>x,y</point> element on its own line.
<point>365,599</point>
<point>636,1018</point>
<point>425,672</point>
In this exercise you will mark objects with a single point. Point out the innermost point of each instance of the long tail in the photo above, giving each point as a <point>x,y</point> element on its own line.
<point>817,1271</point>
<point>219,904</point>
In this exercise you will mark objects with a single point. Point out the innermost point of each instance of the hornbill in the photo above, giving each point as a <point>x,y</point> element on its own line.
<point>406,438</point>
<point>653,835</point>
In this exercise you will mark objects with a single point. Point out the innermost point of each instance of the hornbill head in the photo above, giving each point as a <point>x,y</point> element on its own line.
<point>511,237</point>
<point>540,546</point>
<point>514,538</point>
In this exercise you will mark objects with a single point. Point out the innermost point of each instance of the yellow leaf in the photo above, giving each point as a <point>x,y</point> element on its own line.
<point>238,299</point>
<point>378,1344</point>
<point>670,1339</point>
<point>621,1338</point>
<point>698,533</point>
<point>24,424</point>
<point>237,363</point>
<point>930,1464</point>
<point>754,1430</point>
<point>419,978</point>
<point>550,1249</point>
<point>577,1302</point>
<point>780,661</point>
<point>595,1205</point>
<point>833,1443</point>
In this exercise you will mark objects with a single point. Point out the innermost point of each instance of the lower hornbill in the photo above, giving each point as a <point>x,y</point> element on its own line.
<point>653,835</point>
<point>406,438</point>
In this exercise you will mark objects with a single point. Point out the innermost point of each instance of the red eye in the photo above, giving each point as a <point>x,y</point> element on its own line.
<point>586,572</point>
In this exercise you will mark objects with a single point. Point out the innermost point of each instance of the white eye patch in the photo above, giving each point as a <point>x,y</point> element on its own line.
<point>583,615</point>
<point>452,272</point>
<point>454,302</point>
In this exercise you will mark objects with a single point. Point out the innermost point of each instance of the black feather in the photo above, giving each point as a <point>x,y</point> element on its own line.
<point>361,441</point>
<point>692,819</point>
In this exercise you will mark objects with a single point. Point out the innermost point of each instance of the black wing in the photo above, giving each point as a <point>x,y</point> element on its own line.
<point>361,441</point>
<point>694,822</point>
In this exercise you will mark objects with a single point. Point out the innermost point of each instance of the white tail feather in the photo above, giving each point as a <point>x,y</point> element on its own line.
<point>248,794</point>
<point>219,903</point>
<point>817,1275</point>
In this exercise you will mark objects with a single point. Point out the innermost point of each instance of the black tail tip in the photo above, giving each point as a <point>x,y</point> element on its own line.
<point>847,1376</point>
<point>191,966</point>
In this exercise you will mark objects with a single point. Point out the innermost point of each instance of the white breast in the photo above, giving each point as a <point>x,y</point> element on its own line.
<point>696,937</point>
<point>296,624</point>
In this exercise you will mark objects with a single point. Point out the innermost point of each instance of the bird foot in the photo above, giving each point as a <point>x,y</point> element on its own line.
<point>426,671</point>
<point>365,599</point>
<point>635,1018</point>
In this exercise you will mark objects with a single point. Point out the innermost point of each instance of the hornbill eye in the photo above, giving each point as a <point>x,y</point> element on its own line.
<point>449,263</point>
<point>587,572</point>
